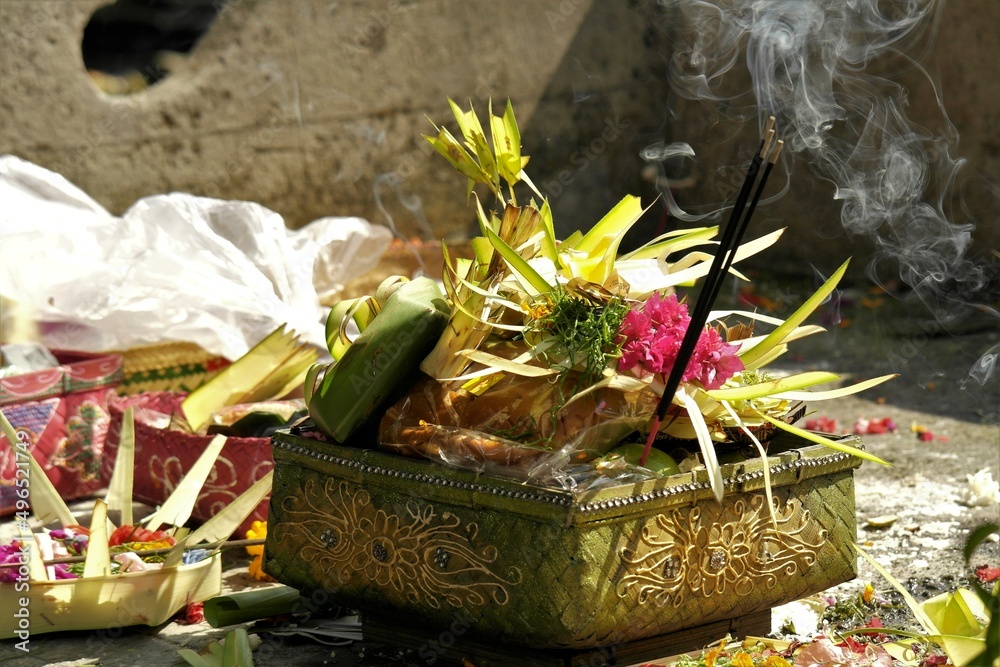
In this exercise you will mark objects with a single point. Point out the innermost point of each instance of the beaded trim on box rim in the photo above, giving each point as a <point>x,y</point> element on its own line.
<point>557,498</point>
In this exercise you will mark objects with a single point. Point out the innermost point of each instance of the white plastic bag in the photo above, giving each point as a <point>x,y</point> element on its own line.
<point>222,274</point>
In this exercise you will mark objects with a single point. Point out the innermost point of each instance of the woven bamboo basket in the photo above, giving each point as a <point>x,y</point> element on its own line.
<point>169,366</point>
<point>545,568</point>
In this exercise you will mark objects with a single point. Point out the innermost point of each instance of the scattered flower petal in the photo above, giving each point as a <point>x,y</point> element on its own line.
<point>257,531</point>
<point>822,425</point>
<point>981,491</point>
<point>883,521</point>
<point>865,426</point>
<point>130,562</point>
<point>987,575</point>
<point>797,618</point>
<point>193,613</point>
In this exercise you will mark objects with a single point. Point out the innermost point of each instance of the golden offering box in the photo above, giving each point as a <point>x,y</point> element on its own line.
<point>547,568</point>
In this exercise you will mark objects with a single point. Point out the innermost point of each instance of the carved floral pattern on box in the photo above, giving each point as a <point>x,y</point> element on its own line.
<point>727,549</point>
<point>423,555</point>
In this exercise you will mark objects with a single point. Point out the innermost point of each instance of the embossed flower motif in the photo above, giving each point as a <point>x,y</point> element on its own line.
<point>419,555</point>
<point>718,559</point>
<point>385,551</point>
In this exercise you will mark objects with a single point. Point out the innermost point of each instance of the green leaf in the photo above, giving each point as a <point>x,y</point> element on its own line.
<point>749,392</point>
<point>549,245</point>
<point>46,503</point>
<point>98,559</point>
<point>506,365</point>
<point>252,605</point>
<point>506,145</point>
<point>766,359</point>
<point>593,257</point>
<point>820,440</point>
<point>195,660</point>
<point>362,310</point>
<point>222,525</point>
<point>777,336</point>
<point>519,267</point>
<point>979,535</point>
<point>119,498</point>
<point>705,443</point>
<point>475,139</point>
<point>177,508</point>
<point>313,376</point>
<point>482,249</point>
<point>460,158</point>
<point>988,600</point>
<point>237,649</point>
<point>834,393</point>
<point>672,241</point>
<point>614,223</point>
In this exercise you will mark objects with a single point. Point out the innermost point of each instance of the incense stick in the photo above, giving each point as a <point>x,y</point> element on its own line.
<point>731,238</point>
<point>732,234</point>
<point>147,552</point>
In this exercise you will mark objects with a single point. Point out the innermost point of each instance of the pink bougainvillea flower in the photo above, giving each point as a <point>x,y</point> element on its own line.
<point>667,312</point>
<point>714,359</point>
<point>11,553</point>
<point>652,340</point>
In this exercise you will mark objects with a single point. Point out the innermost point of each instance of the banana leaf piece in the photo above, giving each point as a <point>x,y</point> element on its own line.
<point>253,605</point>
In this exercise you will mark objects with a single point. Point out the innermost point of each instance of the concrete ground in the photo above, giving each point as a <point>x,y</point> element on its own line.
<point>947,386</point>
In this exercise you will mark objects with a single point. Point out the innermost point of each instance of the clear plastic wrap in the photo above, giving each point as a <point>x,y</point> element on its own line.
<point>520,427</point>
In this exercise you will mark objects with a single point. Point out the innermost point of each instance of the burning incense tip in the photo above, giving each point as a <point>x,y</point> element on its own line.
<point>777,151</point>
<point>766,144</point>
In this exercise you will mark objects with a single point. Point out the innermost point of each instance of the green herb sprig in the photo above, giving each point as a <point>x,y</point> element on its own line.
<point>585,334</point>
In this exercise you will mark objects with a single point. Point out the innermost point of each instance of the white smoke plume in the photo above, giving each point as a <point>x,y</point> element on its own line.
<point>811,66</point>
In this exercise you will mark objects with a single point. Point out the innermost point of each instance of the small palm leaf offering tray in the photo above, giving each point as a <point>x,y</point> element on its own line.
<point>111,576</point>
<point>552,449</point>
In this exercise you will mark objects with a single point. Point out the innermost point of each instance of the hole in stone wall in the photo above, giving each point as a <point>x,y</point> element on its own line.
<point>130,45</point>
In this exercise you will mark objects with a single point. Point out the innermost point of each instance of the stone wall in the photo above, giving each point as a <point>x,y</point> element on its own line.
<point>316,108</point>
